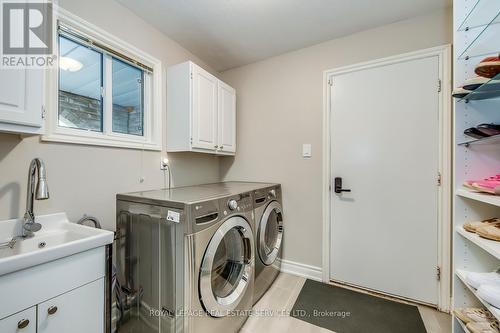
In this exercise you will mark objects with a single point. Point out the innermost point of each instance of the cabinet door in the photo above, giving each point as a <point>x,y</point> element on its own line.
<point>21,322</point>
<point>204,122</point>
<point>21,93</point>
<point>78,311</point>
<point>227,118</point>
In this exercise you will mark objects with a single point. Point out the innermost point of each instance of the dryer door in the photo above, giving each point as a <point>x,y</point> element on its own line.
<point>227,267</point>
<point>270,233</point>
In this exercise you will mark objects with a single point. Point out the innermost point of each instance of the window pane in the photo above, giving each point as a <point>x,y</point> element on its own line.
<point>80,82</point>
<point>127,98</point>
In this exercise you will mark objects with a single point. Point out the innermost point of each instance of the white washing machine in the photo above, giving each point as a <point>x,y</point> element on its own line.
<point>185,259</point>
<point>268,234</point>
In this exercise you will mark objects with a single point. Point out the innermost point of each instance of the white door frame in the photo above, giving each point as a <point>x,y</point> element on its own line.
<point>445,158</point>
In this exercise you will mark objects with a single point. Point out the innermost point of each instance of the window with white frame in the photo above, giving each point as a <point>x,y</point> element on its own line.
<point>104,91</point>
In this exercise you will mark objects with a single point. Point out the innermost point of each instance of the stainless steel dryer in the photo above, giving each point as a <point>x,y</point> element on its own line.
<point>268,237</point>
<point>185,259</point>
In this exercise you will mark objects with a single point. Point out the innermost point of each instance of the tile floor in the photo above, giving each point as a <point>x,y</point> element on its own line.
<point>281,297</point>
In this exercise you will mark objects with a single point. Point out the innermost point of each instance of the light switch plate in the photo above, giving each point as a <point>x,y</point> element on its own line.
<point>306,150</point>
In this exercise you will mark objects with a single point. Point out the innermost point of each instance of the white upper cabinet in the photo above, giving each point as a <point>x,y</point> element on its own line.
<point>201,111</point>
<point>204,131</point>
<point>227,118</point>
<point>21,95</point>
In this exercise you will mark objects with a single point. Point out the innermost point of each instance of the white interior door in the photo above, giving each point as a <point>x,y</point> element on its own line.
<point>204,109</point>
<point>385,146</point>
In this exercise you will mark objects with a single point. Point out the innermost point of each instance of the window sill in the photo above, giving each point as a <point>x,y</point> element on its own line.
<point>103,142</point>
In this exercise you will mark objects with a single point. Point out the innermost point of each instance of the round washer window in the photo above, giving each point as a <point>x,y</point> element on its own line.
<point>271,236</point>
<point>229,264</point>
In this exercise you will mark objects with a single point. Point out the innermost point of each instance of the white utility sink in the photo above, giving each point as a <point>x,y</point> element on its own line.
<point>58,238</point>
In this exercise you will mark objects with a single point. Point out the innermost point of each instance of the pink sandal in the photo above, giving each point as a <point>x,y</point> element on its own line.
<point>489,185</point>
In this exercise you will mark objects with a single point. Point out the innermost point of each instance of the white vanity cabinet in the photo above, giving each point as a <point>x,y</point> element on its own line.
<point>21,100</point>
<point>201,111</point>
<point>21,322</point>
<point>77,311</point>
<point>64,295</point>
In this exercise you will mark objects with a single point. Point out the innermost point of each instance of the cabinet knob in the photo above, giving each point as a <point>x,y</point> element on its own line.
<point>216,146</point>
<point>221,147</point>
<point>23,323</point>
<point>52,310</point>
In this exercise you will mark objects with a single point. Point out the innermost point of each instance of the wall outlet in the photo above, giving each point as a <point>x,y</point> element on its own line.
<point>164,164</point>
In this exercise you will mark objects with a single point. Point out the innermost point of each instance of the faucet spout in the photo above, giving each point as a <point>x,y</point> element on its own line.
<point>36,169</point>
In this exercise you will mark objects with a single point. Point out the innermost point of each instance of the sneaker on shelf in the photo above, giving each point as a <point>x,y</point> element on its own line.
<point>490,293</point>
<point>488,67</point>
<point>475,280</point>
<point>473,226</point>
<point>484,327</point>
<point>490,231</point>
<point>473,315</point>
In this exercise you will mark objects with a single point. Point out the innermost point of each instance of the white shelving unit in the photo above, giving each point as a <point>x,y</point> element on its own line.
<point>462,325</point>
<point>494,311</point>
<point>492,247</point>
<point>480,197</point>
<point>476,31</point>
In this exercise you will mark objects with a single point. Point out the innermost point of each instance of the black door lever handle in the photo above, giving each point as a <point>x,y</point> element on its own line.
<point>338,186</point>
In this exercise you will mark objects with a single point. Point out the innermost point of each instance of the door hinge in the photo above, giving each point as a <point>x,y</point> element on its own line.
<point>440,85</point>
<point>43,112</point>
<point>330,82</point>
<point>439,179</point>
<point>191,74</point>
<point>438,272</point>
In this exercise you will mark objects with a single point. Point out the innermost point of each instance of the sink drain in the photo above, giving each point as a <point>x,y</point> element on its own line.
<point>41,245</point>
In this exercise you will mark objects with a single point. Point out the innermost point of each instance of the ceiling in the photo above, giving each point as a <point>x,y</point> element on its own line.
<point>232,33</point>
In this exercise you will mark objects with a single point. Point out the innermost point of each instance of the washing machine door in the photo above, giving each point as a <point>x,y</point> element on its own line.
<point>270,233</point>
<point>227,267</point>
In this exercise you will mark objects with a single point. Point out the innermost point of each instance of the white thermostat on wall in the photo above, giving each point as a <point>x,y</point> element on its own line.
<point>306,150</point>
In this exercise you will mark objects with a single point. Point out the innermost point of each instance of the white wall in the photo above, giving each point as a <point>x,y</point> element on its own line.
<point>280,105</point>
<point>85,179</point>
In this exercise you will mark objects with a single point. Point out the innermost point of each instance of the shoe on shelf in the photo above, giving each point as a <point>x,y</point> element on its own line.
<point>473,315</point>
<point>475,133</point>
<point>483,131</point>
<point>490,293</point>
<point>460,92</point>
<point>475,82</point>
<point>475,280</point>
<point>488,67</point>
<point>473,226</point>
<point>489,129</point>
<point>490,231</point>
<point>484,327</point>
<point>469,183</point>
<point>491,186</point>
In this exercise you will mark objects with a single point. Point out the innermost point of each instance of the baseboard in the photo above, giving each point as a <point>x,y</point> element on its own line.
<point>297,268</point>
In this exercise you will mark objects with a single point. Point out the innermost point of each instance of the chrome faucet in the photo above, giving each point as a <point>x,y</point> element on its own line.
<point>42,193</point>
